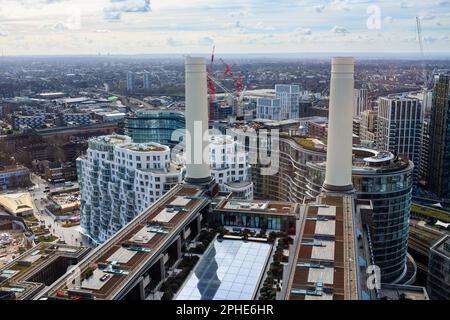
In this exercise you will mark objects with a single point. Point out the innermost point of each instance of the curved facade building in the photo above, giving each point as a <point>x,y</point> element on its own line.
<point>120,179</point>
<point>289,184</point>
<point>230,167</point>
<point>387,182</point>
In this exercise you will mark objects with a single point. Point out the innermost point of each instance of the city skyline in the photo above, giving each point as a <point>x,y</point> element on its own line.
<point>63,27</point>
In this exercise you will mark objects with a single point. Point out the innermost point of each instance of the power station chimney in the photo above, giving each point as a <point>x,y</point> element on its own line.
<point>198,169</point>
<point>338,175</point>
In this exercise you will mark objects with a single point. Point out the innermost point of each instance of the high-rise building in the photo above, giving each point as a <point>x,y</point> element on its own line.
<point>293,151</point>
<point>289,96</point>
<point>130,81</point>
<point>361,102</point>
<point>439,150</point>
<point>284,106</point>
<point>387,182</point>
<point>155,126</point>
<point>230,167</point>
<point>146,80</point>
<point>438,283</point>
<point>118,180</point>
<point>325,257</point>
<point>425,152</point>
<point>368,128</point>
<point>399,128</point>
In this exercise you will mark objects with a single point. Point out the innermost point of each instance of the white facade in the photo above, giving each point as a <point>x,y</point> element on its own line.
<point>361,102</point>
<point>400,123</point>
<point>118,180</point>
<point>267,108</point>
<point>230,167</point>
<point>289,95</point>
<point>284,106</point>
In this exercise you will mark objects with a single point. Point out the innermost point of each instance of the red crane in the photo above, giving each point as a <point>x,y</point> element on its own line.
<point>238,84</point>
<point>211,87</point>
<point>212,82</point>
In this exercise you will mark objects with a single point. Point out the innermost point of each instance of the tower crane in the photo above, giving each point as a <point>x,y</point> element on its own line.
<point>237,96</point>
<point>211,86</point>
<point>420,39</point>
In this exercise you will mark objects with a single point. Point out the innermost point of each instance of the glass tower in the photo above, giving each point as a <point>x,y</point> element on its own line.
<point>439,149</point>
<point>155,126</point>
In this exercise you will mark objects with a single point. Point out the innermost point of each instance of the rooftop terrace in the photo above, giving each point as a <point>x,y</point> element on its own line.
<point>261,207</point>
<point>324,261</point>
<point>135,246</point>
<point>38,267</point>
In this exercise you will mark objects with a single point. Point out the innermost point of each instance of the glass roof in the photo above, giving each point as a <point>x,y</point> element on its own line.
<point>230,270</point>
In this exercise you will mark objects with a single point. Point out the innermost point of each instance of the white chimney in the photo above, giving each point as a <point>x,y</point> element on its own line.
<point>197,139</point>
<point>338,175</point>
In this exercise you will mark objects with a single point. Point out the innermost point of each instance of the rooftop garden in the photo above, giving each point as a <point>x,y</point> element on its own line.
<point>174,282</point>
<point>308,143</point>
<point>204,239</point>
<point>431,212</point>
<point>47,238</point>
<point>148,148</point>
<point>272,283</point>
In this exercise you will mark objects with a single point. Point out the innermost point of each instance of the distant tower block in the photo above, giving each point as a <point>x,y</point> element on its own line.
<point>198,170</point>
<point>338,175</point>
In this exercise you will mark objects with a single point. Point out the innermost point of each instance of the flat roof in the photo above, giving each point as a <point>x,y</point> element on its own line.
<point>165,215</point>
<point>443,246</point>
<point>121,255</point>
<point>259,206</point>
<point>143,236</point>
<point>326,227</point>
<point>159,232</point>
<point>323,265</point>
<point>18,275</point>
<point>94,282</point>
<point>180,201</point>
<point>324,251</point>
<point>329,211</point>
<point>17,202</point>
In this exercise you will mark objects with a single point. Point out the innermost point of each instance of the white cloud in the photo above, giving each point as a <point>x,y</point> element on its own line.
<point>319,8</point>
<point>172,42</point>
<point>60,27</point>
<point>405,5</point>
<point>303,31</point>
<point>115,8</point>
<point>233,25</point>
<point>428,17</point>
<point>339,29</point>
<point>388,19</point>
<point>206,41</point>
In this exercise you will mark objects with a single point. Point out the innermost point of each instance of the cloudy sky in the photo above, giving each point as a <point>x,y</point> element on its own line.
<point>234,26</point>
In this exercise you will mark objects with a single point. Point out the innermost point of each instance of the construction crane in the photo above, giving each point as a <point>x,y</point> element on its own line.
<point>211,86</point>
<point>237,96</point>
<point>420,39</point>
<point>238,86</point>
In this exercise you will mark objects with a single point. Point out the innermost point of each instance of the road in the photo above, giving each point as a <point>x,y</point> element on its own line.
<point>70,235</point>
